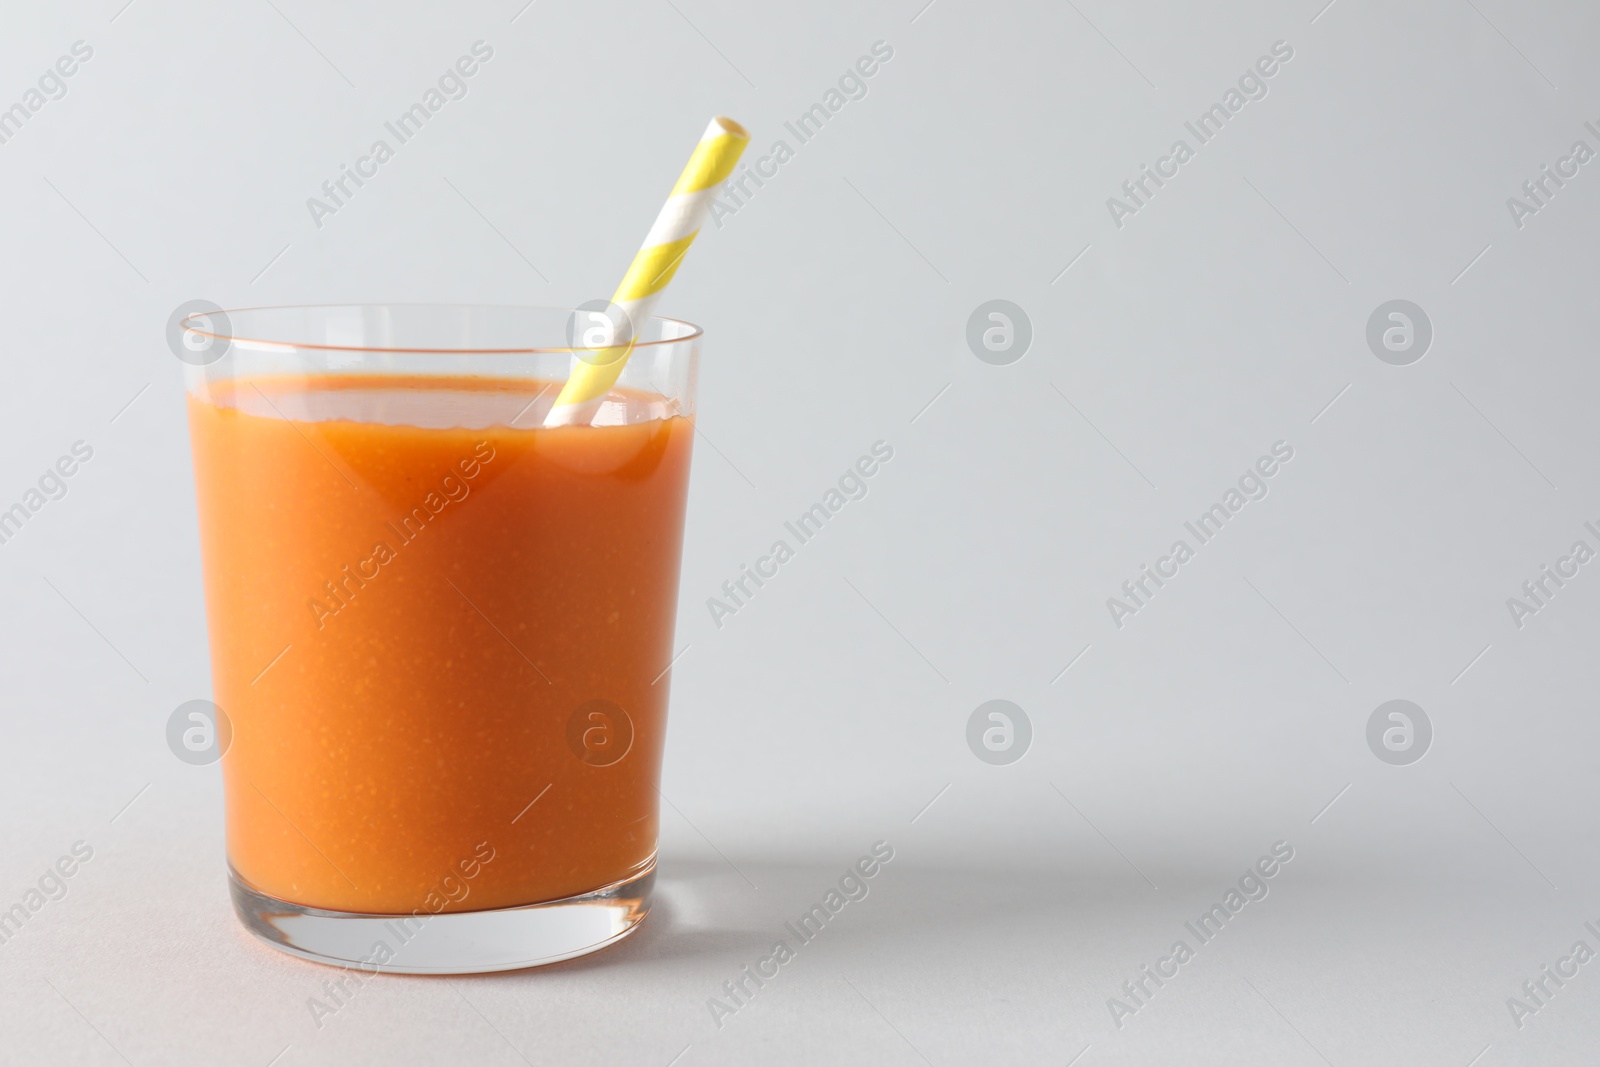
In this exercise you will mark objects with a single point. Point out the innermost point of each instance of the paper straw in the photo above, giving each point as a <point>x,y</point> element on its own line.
<point>653,267</point>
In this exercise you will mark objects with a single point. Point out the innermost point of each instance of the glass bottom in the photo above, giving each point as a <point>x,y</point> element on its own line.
<point>452,942</point>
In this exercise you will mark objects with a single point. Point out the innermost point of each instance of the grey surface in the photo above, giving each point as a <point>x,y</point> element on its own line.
<point>1167,355</point>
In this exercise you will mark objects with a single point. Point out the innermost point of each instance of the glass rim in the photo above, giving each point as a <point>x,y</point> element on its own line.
<point>691,331</point>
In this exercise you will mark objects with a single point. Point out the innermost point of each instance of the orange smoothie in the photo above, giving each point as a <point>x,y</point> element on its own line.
<point>440,634</point>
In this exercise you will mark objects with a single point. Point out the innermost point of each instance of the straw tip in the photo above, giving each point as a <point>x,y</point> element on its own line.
<point>724,125</point>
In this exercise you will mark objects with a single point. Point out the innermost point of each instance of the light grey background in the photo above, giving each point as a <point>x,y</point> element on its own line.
<point>1173,351</point>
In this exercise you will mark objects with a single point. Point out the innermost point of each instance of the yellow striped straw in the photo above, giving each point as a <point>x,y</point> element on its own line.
<point>653,267</point>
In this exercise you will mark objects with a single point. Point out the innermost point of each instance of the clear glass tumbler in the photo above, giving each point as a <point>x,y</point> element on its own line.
<point>440,631</point>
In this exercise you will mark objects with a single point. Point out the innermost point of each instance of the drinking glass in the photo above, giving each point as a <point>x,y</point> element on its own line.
<point>440,631</point>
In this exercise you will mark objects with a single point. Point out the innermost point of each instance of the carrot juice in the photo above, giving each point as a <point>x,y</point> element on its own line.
<point>440,632</point>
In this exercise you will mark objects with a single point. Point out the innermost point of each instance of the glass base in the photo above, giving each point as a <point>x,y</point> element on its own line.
<point>452,942</point>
